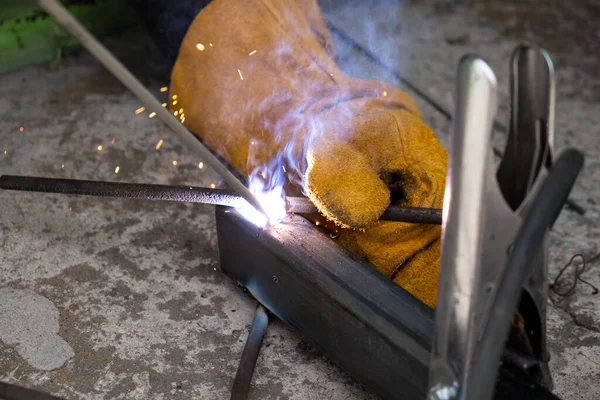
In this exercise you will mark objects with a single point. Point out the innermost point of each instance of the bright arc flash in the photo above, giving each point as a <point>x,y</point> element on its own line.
<point>272,202</point>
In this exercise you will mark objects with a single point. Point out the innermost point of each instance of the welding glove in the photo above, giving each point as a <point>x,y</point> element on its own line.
<point>257,81</point>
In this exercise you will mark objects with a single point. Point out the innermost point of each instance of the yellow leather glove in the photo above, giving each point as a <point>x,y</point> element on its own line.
<point>256,80</point>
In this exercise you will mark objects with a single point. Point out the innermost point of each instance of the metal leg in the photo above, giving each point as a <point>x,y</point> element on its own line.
<point>243,377</point>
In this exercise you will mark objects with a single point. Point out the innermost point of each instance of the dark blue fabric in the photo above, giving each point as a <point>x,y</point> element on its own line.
<point>168,20</point>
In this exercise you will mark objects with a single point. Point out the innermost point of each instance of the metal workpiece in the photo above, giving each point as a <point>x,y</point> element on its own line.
<point>370,326</point>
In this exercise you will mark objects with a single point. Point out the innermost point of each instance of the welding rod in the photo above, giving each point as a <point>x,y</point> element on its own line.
<point>71,24</point>
<point>189,194</point>
<point>302,205</point>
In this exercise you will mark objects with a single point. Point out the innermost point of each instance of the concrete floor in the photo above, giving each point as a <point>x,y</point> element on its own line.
<point>115,299</point>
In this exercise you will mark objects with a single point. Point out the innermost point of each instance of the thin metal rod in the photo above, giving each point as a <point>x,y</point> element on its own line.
<point>190,194</point>
<point>302,205</point>
<point>144,191</point>
<point>243,377</point>
<point>132,83</point>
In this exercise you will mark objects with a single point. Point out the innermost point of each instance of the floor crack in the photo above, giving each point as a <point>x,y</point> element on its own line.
<point>574,317</point>
<point>581,324</point>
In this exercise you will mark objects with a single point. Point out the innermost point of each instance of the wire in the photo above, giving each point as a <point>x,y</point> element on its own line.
<point>577,277</point>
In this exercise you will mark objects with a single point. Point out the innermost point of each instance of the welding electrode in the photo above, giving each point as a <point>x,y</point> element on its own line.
<point>295,205</point>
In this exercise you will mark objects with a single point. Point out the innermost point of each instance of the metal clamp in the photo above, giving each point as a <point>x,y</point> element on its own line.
<point>494,239</point>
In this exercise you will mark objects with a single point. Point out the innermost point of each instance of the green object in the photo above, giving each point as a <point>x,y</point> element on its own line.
<point>29,36</point>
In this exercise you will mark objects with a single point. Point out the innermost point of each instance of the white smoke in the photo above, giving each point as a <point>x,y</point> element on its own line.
<point>297,112</point>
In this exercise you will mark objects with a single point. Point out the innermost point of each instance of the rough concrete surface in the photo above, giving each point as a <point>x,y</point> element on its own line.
<point>29,322</point>
<point>133,287</point>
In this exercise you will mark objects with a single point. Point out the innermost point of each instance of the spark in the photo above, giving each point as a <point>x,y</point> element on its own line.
<point>175,113</point>
<point>201,165</point>
<point>62,166</point>
<point>117,170</point>
<point>174,97</point>
<point>164,89</point>
<point>113,140</point>
<point>212,186</point>
<point>69,208</point>
<point>152,115</point>
<point>283,166</point>
<point>100,148</point>
<point>5,151</point>
<point>240,72</point>
<point>174,162</point>
<point>200,47</point>
<point>317,223</point>
<point>210,44</point>
<point>183,120</point>
<point>160,142</point>
<point>252,52</point>
<point>175,102</point>
<point>384,93</point>
<point>140,110</point>
<point>164,104</point>
<point>181,110</point>
<point>21,129</point>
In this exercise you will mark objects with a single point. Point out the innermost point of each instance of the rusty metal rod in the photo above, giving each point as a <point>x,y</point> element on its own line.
<point>189,194</point>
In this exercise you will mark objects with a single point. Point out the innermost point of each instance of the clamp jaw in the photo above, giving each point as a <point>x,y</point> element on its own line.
<point>493,275</point>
